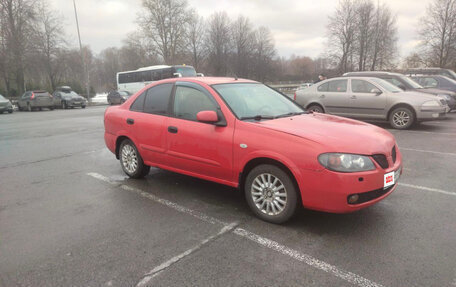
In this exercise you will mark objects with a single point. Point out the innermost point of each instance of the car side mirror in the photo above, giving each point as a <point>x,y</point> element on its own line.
<point>207,117</point>
<point>376,91</point>
<point>177,75</point>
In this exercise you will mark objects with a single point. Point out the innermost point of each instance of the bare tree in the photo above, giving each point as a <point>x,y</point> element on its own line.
<point>365,11</point>
<point>196,45</point>
<point>218,43</point>
<point>17,25</point>
<point>342,33</point>
<point>264,52</point>
<point>438,32</point>
<point>49,39</point>
<point>243,38</point>
<point>164,22</point>
<point>384,49</point>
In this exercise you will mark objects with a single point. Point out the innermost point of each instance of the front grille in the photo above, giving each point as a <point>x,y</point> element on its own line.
<point>381,160</point>
<point>371,195</point>
<point>393,154</point>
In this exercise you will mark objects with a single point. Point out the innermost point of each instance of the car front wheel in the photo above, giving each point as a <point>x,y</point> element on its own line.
<point>271,193</point>
<point>402,118</point>
<point>131,161</point>
<point>316,109</point>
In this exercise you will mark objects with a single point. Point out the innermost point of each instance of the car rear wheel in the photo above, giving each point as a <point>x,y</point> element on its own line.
<point>83,107</point>
<point>131,161</point>
<point>64,105</point>
<point>315,109</point>
<point>29,107</point>
<point>402,118</point>
<point>271,193</point>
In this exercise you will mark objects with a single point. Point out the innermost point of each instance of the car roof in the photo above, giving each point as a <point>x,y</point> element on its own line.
<point>372,73</point>
<point>427,69</point>
<point>213,80</point>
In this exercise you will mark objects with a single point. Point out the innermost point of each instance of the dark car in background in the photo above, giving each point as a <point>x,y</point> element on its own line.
<point>118,97</point>
<point>407,84</point>
<point>65,97</point>
<point>32,100</point>
<point>431,71</point>
<point>5,105</point>
<point>437,81</point>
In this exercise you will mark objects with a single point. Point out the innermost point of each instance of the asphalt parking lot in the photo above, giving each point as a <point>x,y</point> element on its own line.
<point>70,217</point>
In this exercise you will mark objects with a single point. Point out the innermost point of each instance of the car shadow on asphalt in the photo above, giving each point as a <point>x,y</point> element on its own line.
<point>228,201</point>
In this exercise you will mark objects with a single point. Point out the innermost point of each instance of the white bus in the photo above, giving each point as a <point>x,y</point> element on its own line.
<point>133,81</point>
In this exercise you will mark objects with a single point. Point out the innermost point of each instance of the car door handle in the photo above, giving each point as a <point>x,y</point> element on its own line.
<point>353,97</point>
<point>172,130</point>
<point>322,96</point>
<point>130,121</point>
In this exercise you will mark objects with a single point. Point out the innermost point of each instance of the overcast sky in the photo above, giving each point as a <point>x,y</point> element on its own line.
<point>298,26</point>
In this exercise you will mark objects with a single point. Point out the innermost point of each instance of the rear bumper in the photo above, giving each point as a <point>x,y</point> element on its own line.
<point>110,141</point>
<point>42,104</point>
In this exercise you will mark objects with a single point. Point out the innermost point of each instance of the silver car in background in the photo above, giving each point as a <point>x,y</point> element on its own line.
<point>371,99</point>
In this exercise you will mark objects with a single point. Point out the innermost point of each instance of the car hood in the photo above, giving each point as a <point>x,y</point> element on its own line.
<point>435,91</point>
<point>337,134</point>
<point>417,97</point>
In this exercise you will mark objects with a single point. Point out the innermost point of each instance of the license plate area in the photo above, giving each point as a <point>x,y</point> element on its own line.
<point>391,178</point>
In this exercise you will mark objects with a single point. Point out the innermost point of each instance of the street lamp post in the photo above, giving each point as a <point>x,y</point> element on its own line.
<point>85,65</point>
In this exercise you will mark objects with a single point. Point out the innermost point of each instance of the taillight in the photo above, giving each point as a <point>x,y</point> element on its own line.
<point>295,96</point>
<point>33,96</point>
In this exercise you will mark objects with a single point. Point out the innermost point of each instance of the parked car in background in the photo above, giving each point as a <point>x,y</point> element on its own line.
<point>65,97</point>
<point>5,105</point>
<point>407,84</point>
<point>371,98</point>
<point>439,82</point>
<point>118,97</point>
<point>33,100</point>
<point>244,134</point>
<point>304,86</point>
<point>432,71</point>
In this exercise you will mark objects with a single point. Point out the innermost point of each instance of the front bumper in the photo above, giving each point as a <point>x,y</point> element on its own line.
<point>6,109</point>
<point>328,191</point>
<point>76,103</point>
<point>430,114</point>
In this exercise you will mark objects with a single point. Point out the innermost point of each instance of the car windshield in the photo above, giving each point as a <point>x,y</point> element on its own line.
<point>386,85</point>
<point>411,82</point>
<point>186,71</point>
<point>256,101</point>
<point>70,93</point>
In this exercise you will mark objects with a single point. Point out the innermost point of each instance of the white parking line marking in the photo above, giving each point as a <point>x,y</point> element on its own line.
<point>154,272</point>
<point>427,151</point>
<point>157,199</point>
<point>307,259</point>
<point>428,188</point>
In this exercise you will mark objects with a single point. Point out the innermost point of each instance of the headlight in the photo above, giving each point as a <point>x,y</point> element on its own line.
<point>446,97</point>
<point>343,162</point>
<point>431,104</point>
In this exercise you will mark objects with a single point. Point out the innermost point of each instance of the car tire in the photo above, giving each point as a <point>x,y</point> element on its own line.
<point>316,109</point>
<point>51,108</point>
<point>10,111</point>
<point>64,105</point>
<point>83,107</point>
<point>131,161</point>
<point>402,118</point>
<point>29,107</point>
<point>271,194</point>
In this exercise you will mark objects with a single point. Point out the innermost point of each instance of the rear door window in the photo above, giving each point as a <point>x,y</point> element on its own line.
<point>157,99</point>
<point>323,87</point>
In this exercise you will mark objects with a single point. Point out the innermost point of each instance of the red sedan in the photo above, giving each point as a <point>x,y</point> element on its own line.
<point>244,134</point>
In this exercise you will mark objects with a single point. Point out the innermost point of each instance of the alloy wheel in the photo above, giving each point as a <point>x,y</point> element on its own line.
<point>401,118</point>
<point>269,194</point>
<point>129,158</point>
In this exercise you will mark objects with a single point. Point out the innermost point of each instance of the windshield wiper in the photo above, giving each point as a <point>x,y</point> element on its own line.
<point>290,114</point>
<point>257,118</point>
